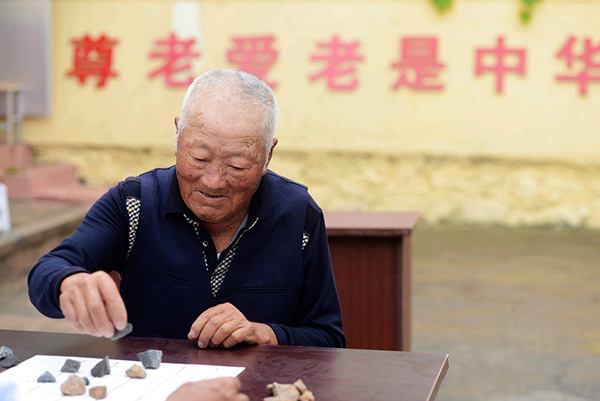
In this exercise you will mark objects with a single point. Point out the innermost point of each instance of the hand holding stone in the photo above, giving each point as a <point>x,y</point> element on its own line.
<point>92,303</point>
<point>224,325</point>
<point>222,389</point>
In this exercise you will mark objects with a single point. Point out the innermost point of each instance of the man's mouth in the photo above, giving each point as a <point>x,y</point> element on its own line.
<point>212,196</point>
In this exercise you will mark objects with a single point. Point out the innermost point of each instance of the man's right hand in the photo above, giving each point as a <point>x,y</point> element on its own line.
<point>222,389</point>
<point>92,304</point>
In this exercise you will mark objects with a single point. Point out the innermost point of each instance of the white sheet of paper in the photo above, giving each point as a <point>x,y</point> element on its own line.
<point>157,386</point>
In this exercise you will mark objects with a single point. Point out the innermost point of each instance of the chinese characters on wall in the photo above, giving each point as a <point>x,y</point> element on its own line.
<point>336,61</point>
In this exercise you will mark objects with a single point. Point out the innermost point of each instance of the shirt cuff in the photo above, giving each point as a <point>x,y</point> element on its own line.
<point>281,333</point>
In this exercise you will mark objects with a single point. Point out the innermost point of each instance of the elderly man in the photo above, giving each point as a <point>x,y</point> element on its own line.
<point>217,248</point>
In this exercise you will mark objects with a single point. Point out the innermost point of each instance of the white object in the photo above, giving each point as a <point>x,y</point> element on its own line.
<point>4,210</point>
<point>157,385</point>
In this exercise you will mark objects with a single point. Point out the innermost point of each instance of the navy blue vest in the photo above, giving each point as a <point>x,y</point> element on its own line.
<point>165,283</point>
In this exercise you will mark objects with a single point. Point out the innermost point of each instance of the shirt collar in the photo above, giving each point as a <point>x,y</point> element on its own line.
<point>258,202</point>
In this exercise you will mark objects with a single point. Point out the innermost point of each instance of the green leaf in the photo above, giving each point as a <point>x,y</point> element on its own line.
<point>442,5</point>
<point>525,15</point>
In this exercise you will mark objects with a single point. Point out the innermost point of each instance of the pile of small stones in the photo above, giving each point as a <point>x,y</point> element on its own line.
<point>289,392</point>
<point>75,385</point>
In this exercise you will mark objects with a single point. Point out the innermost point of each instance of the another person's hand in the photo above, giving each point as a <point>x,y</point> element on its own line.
<point>224,325</point>
<point>92,304</point>
<point>222,389</point>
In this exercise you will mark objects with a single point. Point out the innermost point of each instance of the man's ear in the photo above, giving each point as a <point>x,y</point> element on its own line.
<point>270,155</point>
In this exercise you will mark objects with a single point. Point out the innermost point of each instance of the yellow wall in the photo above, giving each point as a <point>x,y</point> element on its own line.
<point>527,156</point>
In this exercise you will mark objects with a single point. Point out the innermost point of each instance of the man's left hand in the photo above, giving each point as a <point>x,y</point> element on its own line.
<point>224,325</point>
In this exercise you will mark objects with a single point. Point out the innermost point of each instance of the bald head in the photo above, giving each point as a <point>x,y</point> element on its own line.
<point>233,90</point>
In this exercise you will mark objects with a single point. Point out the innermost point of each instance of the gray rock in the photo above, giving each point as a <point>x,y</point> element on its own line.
<point>86,380</point>
<point>102,368</point>
<point>71,366</point>
<point>151,358</point>
<point>122,333</point>
<point>5,351</point>
<point>46,377</point>
<point>9,361</point>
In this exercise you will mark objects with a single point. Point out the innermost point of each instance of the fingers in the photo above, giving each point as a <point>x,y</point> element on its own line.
<point>92,303</point>
<point>69,311</point>
<point>97,311</point>
<point>231,333</point>
<point>221,389</point>
<point>217,324</point>
<point>115,307</point>
<point>241,334</point>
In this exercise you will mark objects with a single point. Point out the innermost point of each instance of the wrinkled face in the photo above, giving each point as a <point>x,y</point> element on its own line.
<point>220,160</point>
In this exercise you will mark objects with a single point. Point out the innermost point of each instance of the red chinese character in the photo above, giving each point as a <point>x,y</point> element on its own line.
<point>93,58</point>
<point>254,55</point>
<point>590,71</point>
<point>418,54</point>
<point>500,66</point>
<point>176,53</point>
<point>340,58</point>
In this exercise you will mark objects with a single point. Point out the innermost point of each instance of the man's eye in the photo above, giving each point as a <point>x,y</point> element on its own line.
<point>200,160</point>
<point>237,168</point>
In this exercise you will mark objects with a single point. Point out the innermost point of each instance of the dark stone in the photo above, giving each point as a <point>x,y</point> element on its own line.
<point>151,358</point>
<point>9,361</point>
<point>46,377</point>
<point>71,366</point>
<point>122,333</point>
<point>86,380</point>
<point>5,351</point>
<point>102,368</point>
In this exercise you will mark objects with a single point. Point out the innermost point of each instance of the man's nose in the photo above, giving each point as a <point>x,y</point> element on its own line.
<point>214,177</point>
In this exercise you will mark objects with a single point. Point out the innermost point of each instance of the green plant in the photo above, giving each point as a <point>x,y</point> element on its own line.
<point>527,9</point>
<point>442,5</point>
<point>525,12</point>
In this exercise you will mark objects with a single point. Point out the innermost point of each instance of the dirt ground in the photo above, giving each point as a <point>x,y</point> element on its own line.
<point>518,310</point>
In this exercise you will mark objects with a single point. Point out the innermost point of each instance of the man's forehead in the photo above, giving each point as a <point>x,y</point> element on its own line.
<point>233,145</point>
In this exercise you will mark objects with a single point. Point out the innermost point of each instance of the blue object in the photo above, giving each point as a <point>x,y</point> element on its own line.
<point>275,276</point>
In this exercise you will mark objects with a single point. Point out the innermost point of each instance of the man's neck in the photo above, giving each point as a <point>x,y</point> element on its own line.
<point>222,233</point>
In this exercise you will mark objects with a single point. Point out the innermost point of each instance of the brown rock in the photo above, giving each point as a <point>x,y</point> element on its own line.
<point>74,385</point>
<point>285,391</point>
<point>136,372</point>
<point>307,396</point>
<point>300,386</point>
<point>98,392</point>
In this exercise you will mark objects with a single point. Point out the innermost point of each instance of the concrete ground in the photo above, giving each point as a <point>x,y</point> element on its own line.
<point>518,310</point>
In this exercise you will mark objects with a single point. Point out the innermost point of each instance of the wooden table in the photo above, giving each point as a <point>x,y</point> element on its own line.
<point>371,253</point>
<point>332,374</point>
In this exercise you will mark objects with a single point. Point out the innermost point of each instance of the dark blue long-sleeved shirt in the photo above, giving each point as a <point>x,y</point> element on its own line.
<point>276,271</point>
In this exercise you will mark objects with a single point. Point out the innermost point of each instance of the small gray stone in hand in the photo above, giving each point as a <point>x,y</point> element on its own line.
<point>71,366</point>
<point>102,368</point>
<point>151,358</point>
<point>122,333</point>
<point>46,377</point>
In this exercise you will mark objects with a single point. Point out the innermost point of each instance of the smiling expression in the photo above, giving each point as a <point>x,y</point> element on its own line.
<point>220,160</point>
